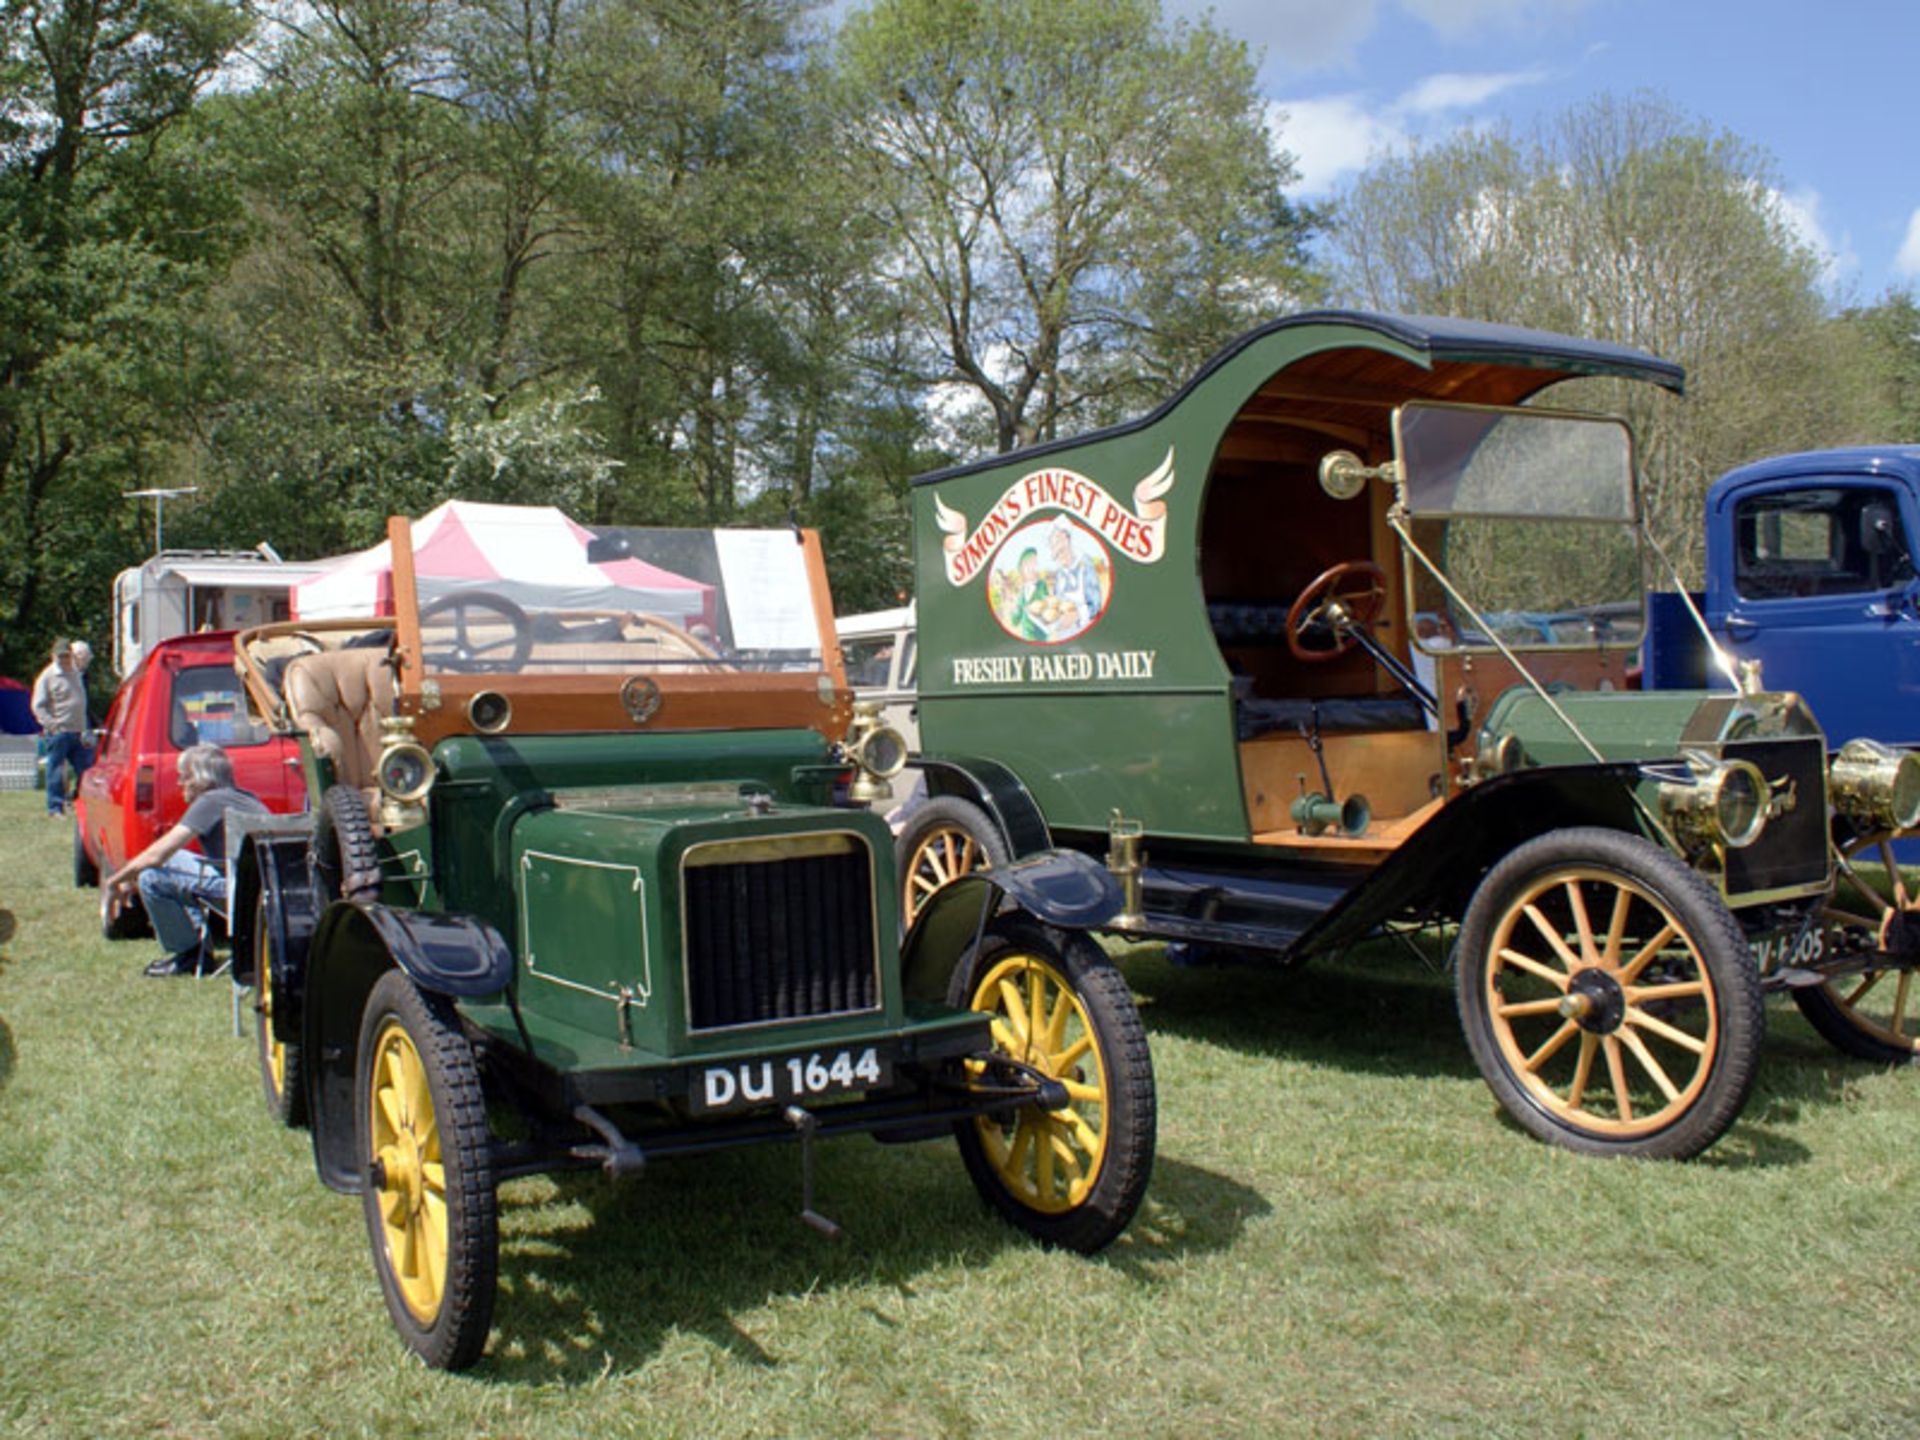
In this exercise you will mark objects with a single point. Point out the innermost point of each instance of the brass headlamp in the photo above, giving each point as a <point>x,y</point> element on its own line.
<point>405,773</point>
<point>1875,786</point>
<point>877,751</point>
<point>1721,802</point>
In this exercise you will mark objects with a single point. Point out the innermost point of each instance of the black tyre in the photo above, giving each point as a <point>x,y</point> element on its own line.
<point>344,857</point>
<point>86,875</point>
<point>282,1076</point>
<point>942,840</point>
<point>1608,996</point>
<point>1870,1014</point>
<point>1071,1177</point>
<point>429,1198</point>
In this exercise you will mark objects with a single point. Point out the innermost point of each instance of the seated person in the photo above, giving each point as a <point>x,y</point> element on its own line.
<point>176,884</point>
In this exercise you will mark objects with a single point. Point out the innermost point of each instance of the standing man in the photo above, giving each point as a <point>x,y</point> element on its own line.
<point>176,885</point>
<point>60,705</point>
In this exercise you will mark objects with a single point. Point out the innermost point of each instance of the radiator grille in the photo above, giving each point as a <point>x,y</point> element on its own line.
<point>779,937</point>
<point>1791,852</point>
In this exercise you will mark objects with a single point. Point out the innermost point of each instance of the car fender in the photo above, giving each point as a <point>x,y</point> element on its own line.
<point>1061,888</point>
<point>274,867</point>
<point>996,790</point>
<point>354,945</point>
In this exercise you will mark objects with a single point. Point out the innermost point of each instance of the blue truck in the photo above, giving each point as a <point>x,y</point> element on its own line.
<point>1811,572</point>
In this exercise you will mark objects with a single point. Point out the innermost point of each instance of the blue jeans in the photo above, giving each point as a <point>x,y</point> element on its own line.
<point>177,893</point>
<point>68,747</point>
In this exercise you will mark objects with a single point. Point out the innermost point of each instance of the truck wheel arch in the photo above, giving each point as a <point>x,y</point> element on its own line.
<point>996,791</point>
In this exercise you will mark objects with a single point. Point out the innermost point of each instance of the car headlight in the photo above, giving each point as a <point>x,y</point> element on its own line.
<point>1722,802</point>
<point>1875,786</point>
<point>406,772</point>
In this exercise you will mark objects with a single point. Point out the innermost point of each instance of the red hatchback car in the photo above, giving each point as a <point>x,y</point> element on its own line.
<point>183,692</point>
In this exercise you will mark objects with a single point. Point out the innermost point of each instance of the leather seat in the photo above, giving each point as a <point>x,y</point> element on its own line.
<point>339,697</point>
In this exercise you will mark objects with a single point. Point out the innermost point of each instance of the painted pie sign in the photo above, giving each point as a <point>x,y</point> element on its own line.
<point>1045,546</point>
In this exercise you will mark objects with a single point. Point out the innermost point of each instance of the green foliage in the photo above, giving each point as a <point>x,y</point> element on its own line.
<point>109,232</point>
<point>1079,197</point>
<point>1883,342</point>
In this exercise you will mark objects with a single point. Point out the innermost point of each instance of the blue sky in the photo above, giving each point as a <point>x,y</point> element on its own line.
<point>1826,88</point>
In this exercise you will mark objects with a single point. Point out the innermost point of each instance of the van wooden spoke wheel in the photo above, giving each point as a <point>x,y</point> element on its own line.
<point>1072,1176</point>
<point>282,1082</point>
<point>942,840</point>
<point>428,1189</point>
<point>1872,1013</point>
<point>1608,997</point>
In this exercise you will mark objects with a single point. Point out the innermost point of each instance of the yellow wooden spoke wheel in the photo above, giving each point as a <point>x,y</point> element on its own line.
<point>281,1080</point>
<point>1872,1013</point>
<point>1072,1175</point>
<point>1047,1158</point>
<point>409,1174</point>
<point>427,1187</point>
<point>1608,996</point>
<point>941,841</point>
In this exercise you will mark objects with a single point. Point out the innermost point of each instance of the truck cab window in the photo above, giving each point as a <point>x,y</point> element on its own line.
<point>1827,540</point>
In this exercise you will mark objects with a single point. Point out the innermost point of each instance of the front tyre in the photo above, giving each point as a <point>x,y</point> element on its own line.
<point>1071,1177</point>
<point>429,1187</point>
<point>1608,996</point>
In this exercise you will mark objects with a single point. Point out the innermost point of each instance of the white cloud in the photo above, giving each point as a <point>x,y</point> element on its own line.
<point>1454,19</point>
<point>1460,92</point>
<point>1296,35</point>
<point>1333,135</point>
<point>1907,262</point>
<point>1801,211</point>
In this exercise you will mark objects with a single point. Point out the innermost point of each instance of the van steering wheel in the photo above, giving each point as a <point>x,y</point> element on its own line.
<point>1340,602</point>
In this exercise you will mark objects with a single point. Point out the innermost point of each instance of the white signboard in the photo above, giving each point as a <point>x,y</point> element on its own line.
<point>768,599</point>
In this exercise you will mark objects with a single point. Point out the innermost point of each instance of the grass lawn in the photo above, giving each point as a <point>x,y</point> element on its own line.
<point>1343,1237</point>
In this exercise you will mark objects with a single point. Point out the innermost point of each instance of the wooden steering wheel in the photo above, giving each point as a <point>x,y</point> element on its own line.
<point>1341,601</point>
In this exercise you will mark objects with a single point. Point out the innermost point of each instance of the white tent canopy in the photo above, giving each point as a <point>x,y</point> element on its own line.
<point>532,555</point>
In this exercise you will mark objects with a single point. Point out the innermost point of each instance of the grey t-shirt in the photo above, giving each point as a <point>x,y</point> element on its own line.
<point>206,817</point>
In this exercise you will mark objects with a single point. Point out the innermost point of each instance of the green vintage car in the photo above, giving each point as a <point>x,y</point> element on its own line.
<point>1343,638</point>
<point>587,880</point>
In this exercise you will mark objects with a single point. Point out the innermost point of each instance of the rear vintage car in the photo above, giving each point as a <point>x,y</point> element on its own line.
<point>588,882</point>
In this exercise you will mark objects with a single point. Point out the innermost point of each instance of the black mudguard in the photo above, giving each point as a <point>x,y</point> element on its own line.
<point>353,947</point>
<point>1062,888</point>
<point>275,866</point>
<point>1440,866</point>
<point>996,790</point>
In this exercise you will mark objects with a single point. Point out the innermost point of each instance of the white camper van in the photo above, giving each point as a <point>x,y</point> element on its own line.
<point>880,654</point>
<point>178,592</point>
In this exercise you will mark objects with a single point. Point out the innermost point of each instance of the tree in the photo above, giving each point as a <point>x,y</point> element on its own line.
<point>1884,339</point>
<point>106,238</point>
<point>1078,196</point>
<point>1620,220</point>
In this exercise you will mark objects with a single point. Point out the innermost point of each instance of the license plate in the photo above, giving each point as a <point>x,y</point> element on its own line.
<point>783,1079</point>
<point>1790,947</point>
